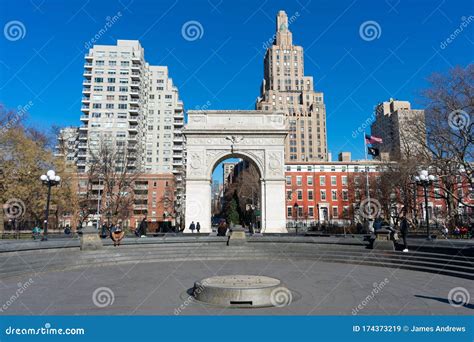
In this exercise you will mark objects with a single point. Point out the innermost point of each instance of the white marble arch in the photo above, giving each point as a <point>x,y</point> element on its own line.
<point>213,136</point>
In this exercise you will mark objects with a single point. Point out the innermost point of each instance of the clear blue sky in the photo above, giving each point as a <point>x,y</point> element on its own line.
<point>223,69</point>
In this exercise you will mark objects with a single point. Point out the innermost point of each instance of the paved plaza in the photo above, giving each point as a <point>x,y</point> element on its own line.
<point>154,280</point>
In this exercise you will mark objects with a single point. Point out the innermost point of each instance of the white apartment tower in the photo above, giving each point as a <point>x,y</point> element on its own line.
<point>134,106</point>
<point>285,87</point>
<point>400,128</point>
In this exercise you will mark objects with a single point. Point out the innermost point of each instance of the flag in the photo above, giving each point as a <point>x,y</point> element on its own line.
<point>374,151</point>
<point>370,139</point>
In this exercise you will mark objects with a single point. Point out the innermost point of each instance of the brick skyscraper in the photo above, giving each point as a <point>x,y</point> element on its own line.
<point>285,87</point>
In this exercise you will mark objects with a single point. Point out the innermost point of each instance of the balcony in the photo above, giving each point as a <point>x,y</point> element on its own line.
<point>81,162</point>
<point>86,89</point>
<point>85,108</point>
<point>82,146</point>
<point>133,109</point>
<point>86,99</point>
<point>84,117</point>
<point>133,119</point>
<point>83,137</point>
<point>135,75</point>
<point>86,82</point>
<point>133,128</point>
<point>87,73</point>
<point>178,147</point>
<point>141,187</point>
<point>83,128</point>
<point>135,83</point>
<point>88,65</point>
<point>136,59</point>
<point>88,56</point>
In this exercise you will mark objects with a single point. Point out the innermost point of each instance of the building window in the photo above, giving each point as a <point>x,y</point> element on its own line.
<point>300,195</point>
<point>289,211</point>
<point>322,180</point>
<point>334,195</point>
<point>288,180</point>
<point>299,180</point>
<point>309,180</point>
<point>310,195</point>
<point>344,180</point>
<point>311,211</point>
<point>323,195</point>
<point>289,195</point>
<point>333,180</point>
<point>335,213</point>
<point>345,195</point>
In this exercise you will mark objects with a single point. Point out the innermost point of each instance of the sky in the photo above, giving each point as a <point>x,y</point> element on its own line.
<point>360,52</point>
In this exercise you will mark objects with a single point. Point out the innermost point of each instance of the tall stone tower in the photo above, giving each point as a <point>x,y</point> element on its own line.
<point>285,87</point>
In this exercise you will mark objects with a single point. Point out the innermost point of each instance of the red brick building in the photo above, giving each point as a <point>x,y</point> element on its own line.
<point>332,191</point>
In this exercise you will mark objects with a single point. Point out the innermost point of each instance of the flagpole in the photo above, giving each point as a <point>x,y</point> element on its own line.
<point>367,180</point>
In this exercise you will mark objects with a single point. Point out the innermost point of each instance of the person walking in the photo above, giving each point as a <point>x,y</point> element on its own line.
<point>198,227</point>
<point>192,226</point>
<point>143,227</point>
<point>36,232</point>
<point>404,225</point>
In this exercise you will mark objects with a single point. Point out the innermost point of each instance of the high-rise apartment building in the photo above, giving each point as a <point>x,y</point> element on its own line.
<point>285,87</point>
<point>134,106</point>
<point>68,141</point>
<point>400,128</point>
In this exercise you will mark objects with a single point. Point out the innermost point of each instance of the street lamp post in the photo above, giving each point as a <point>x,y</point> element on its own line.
<point>50,179</point>
<point>425,180</point>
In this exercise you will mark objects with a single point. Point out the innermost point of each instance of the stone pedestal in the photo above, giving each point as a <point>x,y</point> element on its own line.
<point>90,239</point>
<point>237,236</point>
<point>382,240</point>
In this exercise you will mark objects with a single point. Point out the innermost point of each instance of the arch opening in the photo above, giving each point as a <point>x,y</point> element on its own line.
<point>236,193</point>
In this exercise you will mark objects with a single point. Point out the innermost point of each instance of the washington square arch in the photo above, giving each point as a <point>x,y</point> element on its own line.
<point>215,135</point>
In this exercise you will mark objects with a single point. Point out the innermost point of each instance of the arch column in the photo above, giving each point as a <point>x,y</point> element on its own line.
<point>198,204</point>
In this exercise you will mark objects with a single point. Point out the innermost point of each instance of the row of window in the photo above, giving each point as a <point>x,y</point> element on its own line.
<point>300,213</point>
<point>310,181</point>
<point>322,195</point>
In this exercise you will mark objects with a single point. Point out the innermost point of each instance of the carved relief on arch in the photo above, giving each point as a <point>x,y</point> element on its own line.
<point>214,155</point>
<point>275,162</point>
